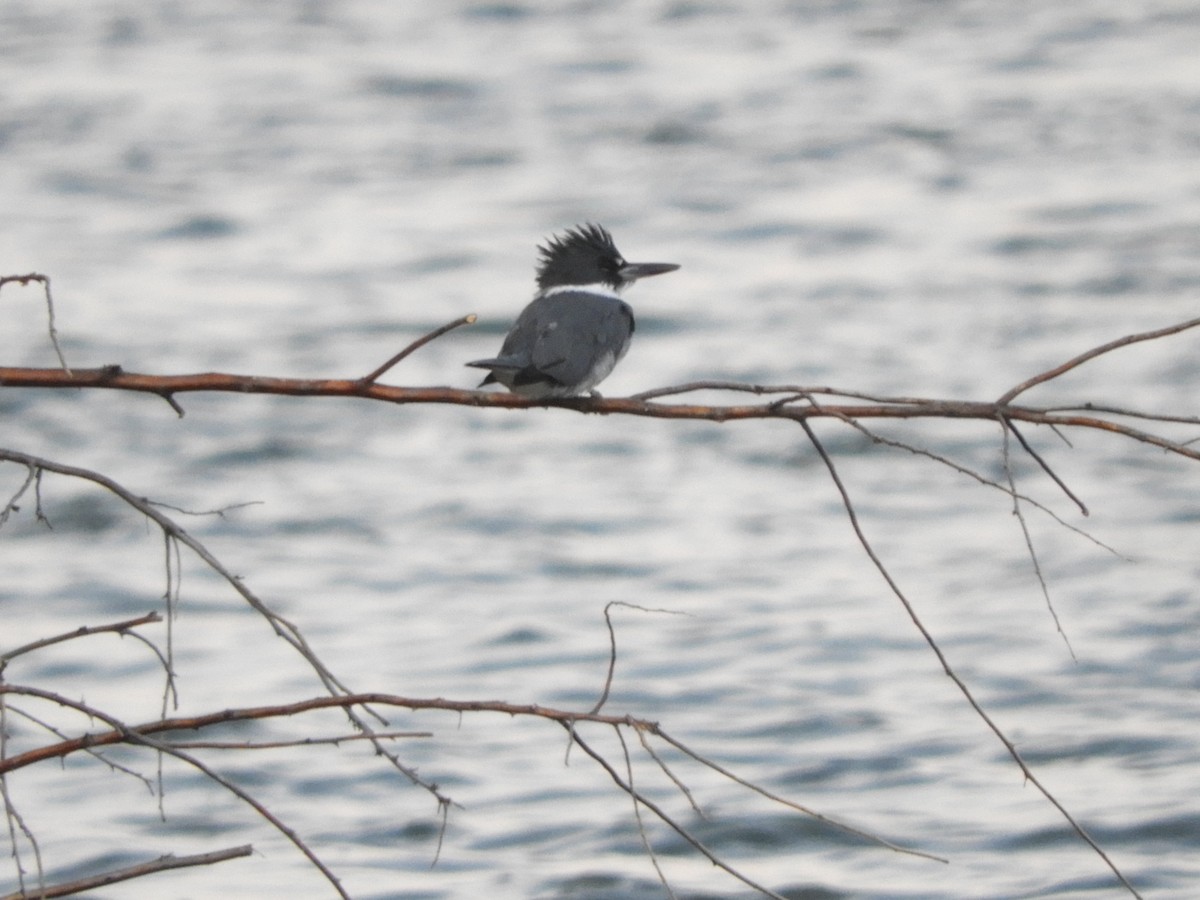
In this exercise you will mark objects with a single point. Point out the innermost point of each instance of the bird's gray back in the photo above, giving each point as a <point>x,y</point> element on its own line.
<point>567,334</point>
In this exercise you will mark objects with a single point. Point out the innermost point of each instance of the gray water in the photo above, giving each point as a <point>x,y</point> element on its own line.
<point>932,199</point>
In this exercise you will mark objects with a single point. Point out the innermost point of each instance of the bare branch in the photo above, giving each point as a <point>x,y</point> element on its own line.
<point>788,402</point>
<point>119,733</point>
<point>96,754</point>
<point>121,628</point>
<point>162,864</point>
<point>114,378</point>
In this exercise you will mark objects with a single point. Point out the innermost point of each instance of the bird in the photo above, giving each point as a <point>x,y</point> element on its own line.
<point>577,327</point>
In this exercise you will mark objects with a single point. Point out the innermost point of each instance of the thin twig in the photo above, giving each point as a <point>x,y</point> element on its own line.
<point>299,742</point>
<point>122,627</point>
<point>11,506</point>
<point>637,814</point>
<point>468,319</point>
<point>1041,462</point>
<point>162,864</point>
<point>675,779</point>
<point>1008,396</point>
<point>801,392</point>
<point>219,512</point>
<point>612,644</point>
<point>1033,557</point>
<point>791,804</point>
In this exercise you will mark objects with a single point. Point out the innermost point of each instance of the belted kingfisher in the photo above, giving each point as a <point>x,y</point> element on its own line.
<point>577,327</point>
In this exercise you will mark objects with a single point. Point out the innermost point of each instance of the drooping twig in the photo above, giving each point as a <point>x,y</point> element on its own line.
<point>877,438</point>
<point>17,823</point>
<point>1029,547</point>
<point>852,515</point>
<point>637,815</point>
<point>791,804</point>
<point>11,506</point>
<point>1004,421</point>
<point>666,770</point>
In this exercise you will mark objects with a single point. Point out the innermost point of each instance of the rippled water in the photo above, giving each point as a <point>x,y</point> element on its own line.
<point>913,198</point>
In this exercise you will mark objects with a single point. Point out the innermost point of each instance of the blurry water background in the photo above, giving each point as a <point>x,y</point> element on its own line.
<point>905,197</point>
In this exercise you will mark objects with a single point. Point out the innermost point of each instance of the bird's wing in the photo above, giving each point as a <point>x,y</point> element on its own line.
<point>564,335</point>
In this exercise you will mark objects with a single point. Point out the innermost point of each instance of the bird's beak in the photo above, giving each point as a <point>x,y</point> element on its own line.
<point>633,271</point>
